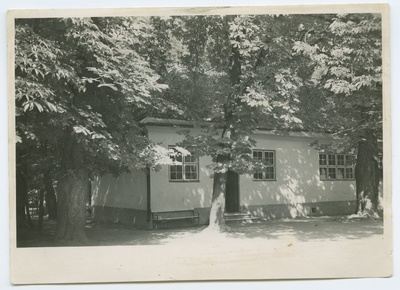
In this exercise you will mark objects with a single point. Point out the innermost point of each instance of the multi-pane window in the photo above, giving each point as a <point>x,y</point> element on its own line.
<point>186,167</point>
<point>336,166</point>
<point>268,158</point>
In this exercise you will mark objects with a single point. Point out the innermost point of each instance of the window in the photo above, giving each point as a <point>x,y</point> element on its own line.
<point>186,167</point>
<point>268,158</point>
<point>336,166</point>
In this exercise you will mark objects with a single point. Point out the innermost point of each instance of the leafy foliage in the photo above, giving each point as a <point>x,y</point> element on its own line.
<point>87,82</point>
<point>90,75</point>
<point>348,75</point>
<point>238,73</point>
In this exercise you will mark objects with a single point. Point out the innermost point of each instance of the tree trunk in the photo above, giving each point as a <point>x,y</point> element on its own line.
<point>41,211</point>
<point>21,198</point>
<point>28,212</point>
<point>89,210</point>
<point>217,221</point>
<point>22,203</point>
<point>71,206</point>
<point>72,192</point>
<point>51,199</point>
<point>367,176</point>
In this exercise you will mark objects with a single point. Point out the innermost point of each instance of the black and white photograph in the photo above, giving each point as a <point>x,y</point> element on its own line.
<point>200,144</point>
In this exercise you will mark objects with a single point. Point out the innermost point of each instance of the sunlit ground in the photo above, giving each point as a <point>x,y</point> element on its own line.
<point>320,247</point>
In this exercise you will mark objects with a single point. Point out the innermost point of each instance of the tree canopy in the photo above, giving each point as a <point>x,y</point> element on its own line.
<point>83,84</point>
<point>79,85</point>
<point>91,77</point>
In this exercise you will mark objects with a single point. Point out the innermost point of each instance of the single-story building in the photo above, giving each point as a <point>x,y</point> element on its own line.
<point>299,181</point>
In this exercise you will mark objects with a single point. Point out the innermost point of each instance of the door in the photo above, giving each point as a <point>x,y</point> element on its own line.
<point>232,203</point>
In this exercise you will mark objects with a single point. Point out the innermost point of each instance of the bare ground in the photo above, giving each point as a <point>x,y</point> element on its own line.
<point>302,230</point>
<point>321,247</point>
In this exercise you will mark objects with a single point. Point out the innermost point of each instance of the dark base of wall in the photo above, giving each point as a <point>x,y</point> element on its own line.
<point>138,218</point>
<point>204,217</point>
<point>278,211</point>
<point>127,216</point>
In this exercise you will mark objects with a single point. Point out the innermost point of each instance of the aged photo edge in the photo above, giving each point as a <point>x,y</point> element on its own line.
<point>19,276</point>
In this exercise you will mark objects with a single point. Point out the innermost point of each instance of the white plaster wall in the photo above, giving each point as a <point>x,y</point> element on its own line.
<point>129,190</point>
<point>297,176</point>
<point>174,195</point>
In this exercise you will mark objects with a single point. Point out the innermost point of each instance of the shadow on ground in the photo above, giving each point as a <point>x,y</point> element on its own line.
<point>304,230</point>
<point>320,228</point>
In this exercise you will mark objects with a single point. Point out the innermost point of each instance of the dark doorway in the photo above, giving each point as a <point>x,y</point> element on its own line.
<point>232,192</point>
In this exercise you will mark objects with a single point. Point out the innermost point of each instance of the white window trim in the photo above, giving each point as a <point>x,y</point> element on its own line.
<point>327,166</point>
<point>263,172</point>
<point>196,163</point>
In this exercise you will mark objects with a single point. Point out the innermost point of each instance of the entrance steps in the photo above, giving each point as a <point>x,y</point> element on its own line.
<point>240,217</point>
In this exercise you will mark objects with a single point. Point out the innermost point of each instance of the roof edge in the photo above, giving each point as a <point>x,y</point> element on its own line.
<point>163,122</point>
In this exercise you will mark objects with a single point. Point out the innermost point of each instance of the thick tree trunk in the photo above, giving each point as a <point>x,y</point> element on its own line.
<point>367,176</point>
<point>72,192</point>
<point>217,221</point>
<point>71,206</point>
<point>51,200</point>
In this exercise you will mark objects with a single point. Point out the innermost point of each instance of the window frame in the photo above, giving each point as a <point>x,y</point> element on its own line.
<point>183,165</point>
<point>334,166</point>
<point>264,172</point>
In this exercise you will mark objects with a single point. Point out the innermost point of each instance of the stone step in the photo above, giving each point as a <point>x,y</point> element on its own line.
<point>236,214</point>
<point>245,217</point>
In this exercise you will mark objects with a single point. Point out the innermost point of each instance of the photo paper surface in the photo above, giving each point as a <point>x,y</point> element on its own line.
<point>197,144</point>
